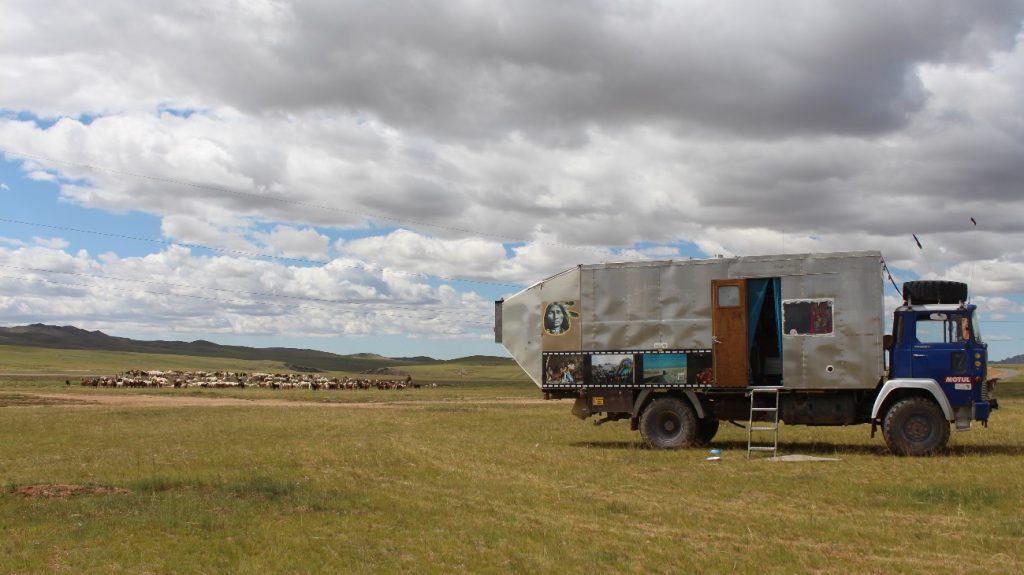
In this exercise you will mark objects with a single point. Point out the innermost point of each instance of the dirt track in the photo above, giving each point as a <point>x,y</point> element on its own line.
<point>1001,372</point>
<point>113,400</point>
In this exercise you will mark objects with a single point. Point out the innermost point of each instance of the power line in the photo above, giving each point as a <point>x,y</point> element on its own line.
<point>364,265</point>
<point>238,302</point>
<point>280,200</point>
<point>222,290</point>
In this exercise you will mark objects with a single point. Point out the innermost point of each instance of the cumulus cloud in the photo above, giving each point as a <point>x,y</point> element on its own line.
<point>52,243</point>
<point>291,242</point>
<point>41,176</point>
<point>225,294</point>
<point>505,142</point>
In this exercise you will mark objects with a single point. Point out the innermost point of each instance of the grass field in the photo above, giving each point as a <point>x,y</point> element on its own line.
<point>478,477</point>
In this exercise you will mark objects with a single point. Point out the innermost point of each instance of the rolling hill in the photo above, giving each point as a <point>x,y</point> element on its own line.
<point>70,337</point>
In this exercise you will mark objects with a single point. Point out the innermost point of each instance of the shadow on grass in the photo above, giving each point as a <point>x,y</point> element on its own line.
<point>247,487</point>
<point>960,450</point>
<point>808,448</point>
<point>21,400</point>
<point>817,448</point>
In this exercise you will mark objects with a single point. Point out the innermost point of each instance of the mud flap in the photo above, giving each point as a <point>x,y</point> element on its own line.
<point>581,408</point>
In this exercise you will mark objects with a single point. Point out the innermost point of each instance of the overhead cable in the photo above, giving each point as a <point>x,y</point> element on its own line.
<point>372,313</point>
<point>254,255</point>
<point>222,290</point>
<point>281,200</point>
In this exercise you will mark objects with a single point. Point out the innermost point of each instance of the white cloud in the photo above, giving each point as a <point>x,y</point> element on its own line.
<point>999,306</point>
<point>52,243</point>
<point>228,235</point>
<point>507,142</point>
<point>178,291</point>
<point>41,176</point>
<point>290,242</point>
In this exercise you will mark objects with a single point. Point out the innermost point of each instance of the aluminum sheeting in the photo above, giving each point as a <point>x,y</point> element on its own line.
<point>647,306</point>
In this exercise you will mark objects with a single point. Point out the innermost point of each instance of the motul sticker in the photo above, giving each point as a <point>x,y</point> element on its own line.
<point>958,379</point>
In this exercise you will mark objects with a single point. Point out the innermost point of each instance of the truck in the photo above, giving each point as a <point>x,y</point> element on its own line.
<point>678,346</point>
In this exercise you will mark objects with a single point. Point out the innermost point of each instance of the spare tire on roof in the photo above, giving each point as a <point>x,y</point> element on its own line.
<point>933,291</point>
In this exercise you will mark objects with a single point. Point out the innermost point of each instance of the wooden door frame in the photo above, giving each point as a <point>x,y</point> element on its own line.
<point>729,342</point>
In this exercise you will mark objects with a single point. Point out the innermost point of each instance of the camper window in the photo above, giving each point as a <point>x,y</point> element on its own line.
<point>728,296</point>
<point>807,317</point>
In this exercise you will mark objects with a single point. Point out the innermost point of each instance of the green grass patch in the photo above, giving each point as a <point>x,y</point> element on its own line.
<point>465,478</point>
<point>953,496</point>
<point>262,486</point>
<point>472,485</point>
<point>34,362</point>
<point>23,400</point>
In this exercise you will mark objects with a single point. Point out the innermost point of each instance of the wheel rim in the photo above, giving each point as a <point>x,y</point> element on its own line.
<point>669,424</point>
<point>917,428</point>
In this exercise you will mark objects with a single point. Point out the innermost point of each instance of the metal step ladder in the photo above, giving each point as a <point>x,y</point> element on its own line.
<point>767,411</point>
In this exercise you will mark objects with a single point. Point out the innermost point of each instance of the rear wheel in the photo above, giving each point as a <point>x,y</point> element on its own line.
<point>706,430</point>
<point>668,423</point>
<point>915,426</point>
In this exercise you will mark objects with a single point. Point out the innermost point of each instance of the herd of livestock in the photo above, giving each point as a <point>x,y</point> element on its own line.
<point>239,380</point>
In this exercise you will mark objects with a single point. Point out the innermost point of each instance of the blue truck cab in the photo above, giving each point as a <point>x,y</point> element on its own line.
<point>937,370</point>
<point>941,343</point>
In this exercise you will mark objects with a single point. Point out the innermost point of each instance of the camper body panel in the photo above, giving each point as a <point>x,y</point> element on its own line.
<point>622,315</point>
<point>522,319</point>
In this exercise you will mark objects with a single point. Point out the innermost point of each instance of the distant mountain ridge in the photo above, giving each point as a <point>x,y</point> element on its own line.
<point>70,337</point>
<point>1019,358</point>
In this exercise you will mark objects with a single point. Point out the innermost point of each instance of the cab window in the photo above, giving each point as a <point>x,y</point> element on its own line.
<point>942,328</point>
<point>975,328</point>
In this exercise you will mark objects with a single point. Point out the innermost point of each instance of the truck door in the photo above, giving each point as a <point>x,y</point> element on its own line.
<point>940,352</point>
<point>729,332</point>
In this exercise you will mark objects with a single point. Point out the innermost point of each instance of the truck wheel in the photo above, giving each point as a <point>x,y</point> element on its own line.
<point>706,430</point>
<point>915,426</point>
<point>668,423</point>
<point>933,291</point>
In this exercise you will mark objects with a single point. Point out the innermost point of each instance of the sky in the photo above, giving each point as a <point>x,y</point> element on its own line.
<point>358,176</point>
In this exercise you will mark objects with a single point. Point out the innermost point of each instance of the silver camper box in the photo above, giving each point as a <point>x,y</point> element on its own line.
<point>802,321</point>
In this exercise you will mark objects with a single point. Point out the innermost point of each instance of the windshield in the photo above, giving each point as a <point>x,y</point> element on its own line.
<point>938,328</point>
<point>976,327</point>
<point>944,327</point>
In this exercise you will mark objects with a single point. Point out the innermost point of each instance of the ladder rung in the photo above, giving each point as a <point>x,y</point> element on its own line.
<point>769,423</point>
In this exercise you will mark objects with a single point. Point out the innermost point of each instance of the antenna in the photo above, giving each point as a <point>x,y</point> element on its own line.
<point>970,269</point>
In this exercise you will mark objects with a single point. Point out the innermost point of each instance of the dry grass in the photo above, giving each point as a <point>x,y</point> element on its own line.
<point>459,483</point>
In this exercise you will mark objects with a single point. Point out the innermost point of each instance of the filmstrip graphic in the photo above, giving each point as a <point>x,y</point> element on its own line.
<point>634,368</point>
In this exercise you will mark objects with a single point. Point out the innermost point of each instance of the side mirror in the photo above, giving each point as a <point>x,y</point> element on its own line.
<point>887,341</point>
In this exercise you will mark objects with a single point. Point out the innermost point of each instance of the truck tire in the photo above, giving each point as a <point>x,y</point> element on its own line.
<point>706,430</point>
<point>915,426</point>
<point>668,423</point>
<point>930,291</point>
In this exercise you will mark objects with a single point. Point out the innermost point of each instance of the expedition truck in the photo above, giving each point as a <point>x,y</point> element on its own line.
<point>675,347</point>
